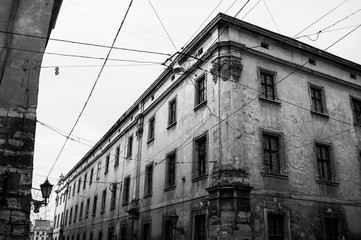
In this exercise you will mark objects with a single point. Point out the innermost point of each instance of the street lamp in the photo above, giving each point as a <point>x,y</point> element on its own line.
<point>45,188</point>
<point>174,219</point>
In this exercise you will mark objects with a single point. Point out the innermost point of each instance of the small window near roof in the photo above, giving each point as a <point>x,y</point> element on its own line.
<point>352,75</point>
<point>312,61</point>
<point>264,45</point>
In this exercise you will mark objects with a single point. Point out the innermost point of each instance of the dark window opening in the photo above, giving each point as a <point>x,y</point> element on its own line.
<point>268,86</point>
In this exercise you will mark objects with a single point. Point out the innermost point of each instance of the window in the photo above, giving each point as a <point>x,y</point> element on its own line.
<point>66,217</point>
<point>126,190</point>
<point>91,236</point>
<point>172,112</point>
<point>312,61</point>
<point>272,162</point>
<point>95,205</point>
<point>117,153</point>
<point>54,221</point>
<point>170,169</point>
<point>70,215</point>
<point>323,162</point>
<point>100,235</point>
<point>113,199</point>
<point>318,103</point>
<point>275,226</point>
<point>81,210</point>
<point>110,233</point>
<point>69,192</point>
<point>64,197</point>
<point>57,224</point>
<point>62,218</point>
<point>79,183</point>
<point>332,228</point>
<point>74,188</point>
<point>84,236</point>
<point>104,197</point>
<point>130,146</point>
<point>107,158</point>
<point>264,45</point>
<point>352,75</point>
<point>200,230</point>
<point>200,156</point>
<point>356,107</point>
<point>268,85</point>
<point>75,213</point>
<point>123,233</point>
<point>168,230</point>
<point>98,170</point>
<point>84,183</point>
<point>151,128</point>
<point>200,90</point>
<point>91,176</point>
<point>146,231</point>
<point>148,184</point>
<point>87,208</point>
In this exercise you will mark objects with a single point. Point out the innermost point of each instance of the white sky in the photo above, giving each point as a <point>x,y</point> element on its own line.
<point>62,97</point>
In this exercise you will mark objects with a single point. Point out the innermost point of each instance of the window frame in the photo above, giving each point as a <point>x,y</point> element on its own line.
<point>170,183</point>
<point>326,227</point>
<point>130,146</point>
<point>196,156</point>
<point>286,223</point>
<point>75,213</point>
<point>148,179</point>
<point>354,115</point>
<point>261,72</point>
<point>117,156</point>
<point>172,112</point>
<point>87,208</point>
<point>126,190</point>
<point>95,202</point>
<point>195,231</point>
<point>99,167</point>
<point>332,180</point>
<point>85,177</point>
<point>322,100</point>
<point>151,129</point>
<point>281,169</point>
<point>91,176</point>
<point>103,202</point>
<point>200,92</point>
<point>81,210</point>
<point>107,160</point>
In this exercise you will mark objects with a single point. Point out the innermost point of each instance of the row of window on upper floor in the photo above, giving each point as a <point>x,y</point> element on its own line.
<point>268,92</point>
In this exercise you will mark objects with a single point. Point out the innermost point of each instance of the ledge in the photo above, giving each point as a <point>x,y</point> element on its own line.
<point>172,125</point>
<point>324,115</point>
<point>274,175</point>
<point>200,105</point>
<point>170,188</point>
<point>263,99</point>
<point>201,177</point>
<point>329,183</point>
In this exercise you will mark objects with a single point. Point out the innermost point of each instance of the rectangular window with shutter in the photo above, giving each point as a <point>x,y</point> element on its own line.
<point>272,152</point>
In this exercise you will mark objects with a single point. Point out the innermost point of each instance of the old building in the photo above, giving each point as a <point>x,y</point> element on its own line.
<point>25,27</point>
<point>247,135</point>
<point>42,230</point>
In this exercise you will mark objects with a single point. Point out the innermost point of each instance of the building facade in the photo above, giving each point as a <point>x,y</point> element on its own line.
<point>42,230</point>
<point>25,28</point>
<point>247,135</point>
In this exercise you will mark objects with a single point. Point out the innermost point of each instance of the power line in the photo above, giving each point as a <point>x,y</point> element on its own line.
<point>94,85</point>
<point>251,9</point>
<point>264,1</point>
<point>86,43</point>
<point>319,19</point>
<point>162,25</point>
<point>80,56</point>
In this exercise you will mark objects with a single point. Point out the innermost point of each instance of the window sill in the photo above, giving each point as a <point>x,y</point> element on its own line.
<point>263,99</point>
<point>274,175</point>
<point>324,115</point>
<point>330,183</point>
<point>171,125</point>
<point>201,177</point>
<point>148,195</point>
<point>112,209</point>
<point>170,188</point>
<point>150,140</point>
<point>125,204</point>
<point>200,105</point>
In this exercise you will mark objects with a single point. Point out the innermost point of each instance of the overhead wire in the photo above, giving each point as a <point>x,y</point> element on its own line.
<point>93,87</point>
<point>274,22</point>
<point>319,19</point>
<point>251,10</point>
<point>162,25</point>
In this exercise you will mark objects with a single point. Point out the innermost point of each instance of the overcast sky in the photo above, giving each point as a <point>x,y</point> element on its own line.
<point>61,97</point>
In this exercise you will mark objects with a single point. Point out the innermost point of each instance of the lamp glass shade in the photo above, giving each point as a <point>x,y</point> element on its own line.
<point>174,218</point>
<point>177,69</point>
<point>46,188</point>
